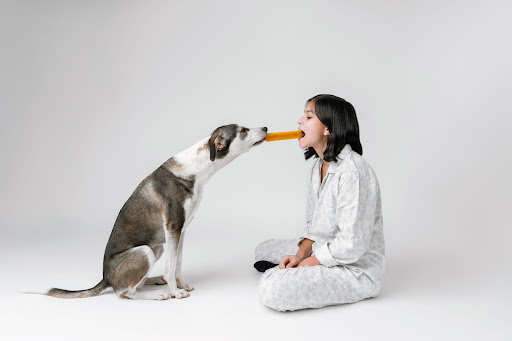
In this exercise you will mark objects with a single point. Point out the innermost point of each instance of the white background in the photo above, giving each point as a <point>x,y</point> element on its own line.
<point>94,95</point>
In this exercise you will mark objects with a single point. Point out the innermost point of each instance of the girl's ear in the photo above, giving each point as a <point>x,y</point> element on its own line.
<point>327,132</point>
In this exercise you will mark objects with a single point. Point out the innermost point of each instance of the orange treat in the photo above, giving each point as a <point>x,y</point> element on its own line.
<point>287,135</point>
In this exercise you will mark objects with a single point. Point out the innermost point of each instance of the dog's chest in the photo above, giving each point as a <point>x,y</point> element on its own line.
<point>192,204</point>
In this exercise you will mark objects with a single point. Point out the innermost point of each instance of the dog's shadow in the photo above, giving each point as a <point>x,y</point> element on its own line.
<point>201,277</point>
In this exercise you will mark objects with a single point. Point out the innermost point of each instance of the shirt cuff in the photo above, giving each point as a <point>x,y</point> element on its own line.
<point>303,235</point>
<point>299,241</point>
<point>324,256</point>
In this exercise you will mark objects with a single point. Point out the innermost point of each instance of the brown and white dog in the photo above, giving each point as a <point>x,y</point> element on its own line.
<point>158,213</point>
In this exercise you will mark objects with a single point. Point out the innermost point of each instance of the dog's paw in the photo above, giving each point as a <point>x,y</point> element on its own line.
<point>161,295</point>
<point>183,285</point>
<point>179,293</point>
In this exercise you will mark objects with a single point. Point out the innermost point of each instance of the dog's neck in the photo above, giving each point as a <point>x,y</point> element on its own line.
<point>194,162</point>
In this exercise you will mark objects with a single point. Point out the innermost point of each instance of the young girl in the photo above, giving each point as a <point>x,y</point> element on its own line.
<point>340,256</point>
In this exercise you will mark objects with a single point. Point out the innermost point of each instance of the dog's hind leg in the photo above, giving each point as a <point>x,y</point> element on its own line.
<point>172,240</point>
<point>158,295</point>
<point>127,272</point>
<point>159,280</point>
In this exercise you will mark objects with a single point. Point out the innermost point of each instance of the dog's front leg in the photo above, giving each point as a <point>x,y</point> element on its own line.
<point>172,239</point>
<point>179,279</point>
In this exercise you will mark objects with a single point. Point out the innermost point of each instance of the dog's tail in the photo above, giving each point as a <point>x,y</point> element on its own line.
<point>61,293</point>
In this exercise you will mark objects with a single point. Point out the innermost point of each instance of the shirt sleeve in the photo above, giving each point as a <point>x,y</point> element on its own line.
<point>355,214</point>
<point>310,205</point>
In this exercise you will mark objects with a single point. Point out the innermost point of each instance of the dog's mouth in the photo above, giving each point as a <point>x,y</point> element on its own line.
<point>259,142</point>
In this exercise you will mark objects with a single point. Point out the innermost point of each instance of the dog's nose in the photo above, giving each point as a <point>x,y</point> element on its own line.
<point>264,129</point>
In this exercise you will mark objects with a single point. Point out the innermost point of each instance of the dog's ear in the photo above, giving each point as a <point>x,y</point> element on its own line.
<point>217,143</point>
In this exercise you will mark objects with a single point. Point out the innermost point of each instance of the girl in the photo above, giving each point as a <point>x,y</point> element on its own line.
<point>339,258</point>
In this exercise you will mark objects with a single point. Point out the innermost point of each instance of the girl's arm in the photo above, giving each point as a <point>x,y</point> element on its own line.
<point>355,215</point>
<point>306,245</point>
<point>301,258</point>
<point>305,249</point>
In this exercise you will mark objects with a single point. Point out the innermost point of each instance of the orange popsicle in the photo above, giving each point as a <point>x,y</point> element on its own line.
<point>286,135</point>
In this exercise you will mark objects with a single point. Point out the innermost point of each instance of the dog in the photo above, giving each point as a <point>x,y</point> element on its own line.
<point>159,212</point>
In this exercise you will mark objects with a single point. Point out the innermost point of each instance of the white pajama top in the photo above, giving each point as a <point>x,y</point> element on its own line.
<point>344,216</point>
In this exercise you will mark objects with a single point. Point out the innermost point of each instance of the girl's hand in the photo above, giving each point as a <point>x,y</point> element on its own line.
<point>290,261</point>
<point>310,261</point>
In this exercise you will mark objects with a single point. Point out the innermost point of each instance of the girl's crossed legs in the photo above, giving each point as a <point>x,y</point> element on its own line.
<point>310,286</point>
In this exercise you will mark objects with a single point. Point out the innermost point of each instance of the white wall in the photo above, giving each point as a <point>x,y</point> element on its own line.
<point>94,95</point>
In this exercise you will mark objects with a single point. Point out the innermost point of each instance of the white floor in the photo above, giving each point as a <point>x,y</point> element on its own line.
<point>435,303</point>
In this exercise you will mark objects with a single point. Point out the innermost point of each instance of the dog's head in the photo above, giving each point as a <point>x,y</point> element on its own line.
<point>233,140</point>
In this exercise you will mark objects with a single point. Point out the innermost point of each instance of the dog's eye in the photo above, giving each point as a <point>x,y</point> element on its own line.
<point>244,130</point>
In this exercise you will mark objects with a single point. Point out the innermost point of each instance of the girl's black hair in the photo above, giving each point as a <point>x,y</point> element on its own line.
<point>339,116</point>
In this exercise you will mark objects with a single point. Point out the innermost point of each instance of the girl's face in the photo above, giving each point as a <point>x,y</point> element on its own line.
<point>315,132</point>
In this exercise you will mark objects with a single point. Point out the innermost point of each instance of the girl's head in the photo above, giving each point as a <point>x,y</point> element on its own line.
<point>329,123</point>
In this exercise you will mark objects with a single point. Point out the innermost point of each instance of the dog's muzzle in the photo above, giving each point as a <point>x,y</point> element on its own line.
<point>259,142</point>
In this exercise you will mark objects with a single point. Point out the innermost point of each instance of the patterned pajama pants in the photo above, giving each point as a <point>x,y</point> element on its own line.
<point>309,286</point>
